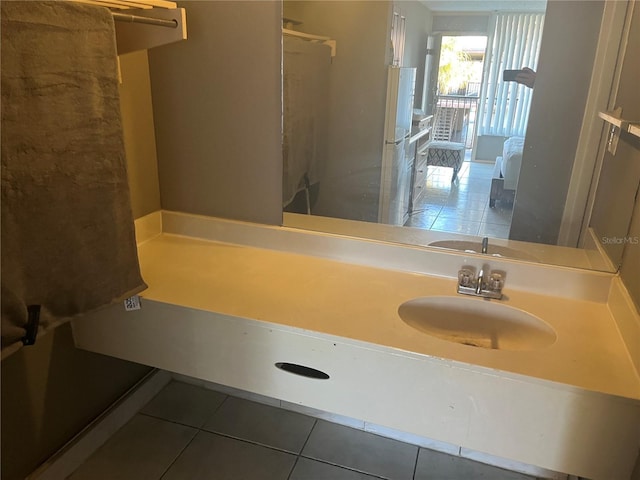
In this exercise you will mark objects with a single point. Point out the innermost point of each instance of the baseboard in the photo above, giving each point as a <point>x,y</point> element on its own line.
<point>93,436</point>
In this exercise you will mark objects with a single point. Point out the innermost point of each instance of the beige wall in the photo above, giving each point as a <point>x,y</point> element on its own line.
<point>631,257</point>
<point>139,136</point>
<point>217,105</point>
<point>628,157</point>
<point>571,31</point>
<point>616,195</point>
<point>50,392</point>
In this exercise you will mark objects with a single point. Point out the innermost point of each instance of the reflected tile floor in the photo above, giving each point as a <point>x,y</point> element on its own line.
<point>461,206</point>
<point>189,432</point>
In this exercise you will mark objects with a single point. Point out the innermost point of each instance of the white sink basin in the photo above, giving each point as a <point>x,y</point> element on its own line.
<point>477,322</point>
<point>476,247</point>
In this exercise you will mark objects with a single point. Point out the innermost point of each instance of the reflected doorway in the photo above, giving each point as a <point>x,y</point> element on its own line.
<point>461,206</point>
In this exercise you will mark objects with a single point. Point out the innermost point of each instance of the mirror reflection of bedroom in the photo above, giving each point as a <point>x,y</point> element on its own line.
<point>453,129</point>
<point>467,170</point>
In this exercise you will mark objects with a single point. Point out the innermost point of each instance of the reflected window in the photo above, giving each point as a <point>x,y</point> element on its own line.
<point>514,43</point>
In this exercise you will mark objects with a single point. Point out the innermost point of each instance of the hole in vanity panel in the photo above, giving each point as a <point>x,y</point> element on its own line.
<point>302,370</point>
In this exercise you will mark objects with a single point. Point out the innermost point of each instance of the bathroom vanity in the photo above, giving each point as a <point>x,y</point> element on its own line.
<point>227,301</point>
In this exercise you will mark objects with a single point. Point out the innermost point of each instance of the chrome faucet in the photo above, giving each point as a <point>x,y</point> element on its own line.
<point>469,284</point>
<point>480,280</point>
<point>485,244</point>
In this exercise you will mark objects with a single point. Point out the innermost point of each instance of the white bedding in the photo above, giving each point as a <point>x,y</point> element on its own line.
<point>511,161</point>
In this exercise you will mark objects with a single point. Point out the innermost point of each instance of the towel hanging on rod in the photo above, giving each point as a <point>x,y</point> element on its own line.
<point>125,17</point>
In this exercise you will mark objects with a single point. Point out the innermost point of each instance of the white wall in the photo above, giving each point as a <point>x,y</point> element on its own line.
<point>462,23</point>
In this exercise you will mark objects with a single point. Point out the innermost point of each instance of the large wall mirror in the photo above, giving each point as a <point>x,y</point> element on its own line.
<point>400,124</point>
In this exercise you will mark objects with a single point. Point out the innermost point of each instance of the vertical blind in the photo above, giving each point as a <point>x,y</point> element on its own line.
<point>514,43</point>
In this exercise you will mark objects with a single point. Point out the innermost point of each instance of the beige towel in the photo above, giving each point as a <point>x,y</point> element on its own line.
<point>68,241</point>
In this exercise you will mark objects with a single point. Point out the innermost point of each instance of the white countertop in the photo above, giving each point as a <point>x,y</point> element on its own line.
<point>360,303</point>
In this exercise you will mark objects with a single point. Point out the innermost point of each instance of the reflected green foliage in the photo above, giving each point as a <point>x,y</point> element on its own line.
<point>458,67</point>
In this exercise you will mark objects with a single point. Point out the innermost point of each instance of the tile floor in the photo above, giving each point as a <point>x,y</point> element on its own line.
<point>461,206</point>
<point>189,432</point>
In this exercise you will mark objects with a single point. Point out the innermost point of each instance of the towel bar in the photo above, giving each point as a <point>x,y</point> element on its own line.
<point>138,29</point>
<point>125,17</point>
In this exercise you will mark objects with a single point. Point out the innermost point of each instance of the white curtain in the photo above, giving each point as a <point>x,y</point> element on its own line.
<point>306,114</point>
<point>514,42</point>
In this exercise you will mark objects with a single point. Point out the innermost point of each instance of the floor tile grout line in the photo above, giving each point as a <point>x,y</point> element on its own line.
<point>175,422</point>
<point>466,175</point>
<point>195,434</point>
<point>225,395</point>
<point>363,430</point>
<point>252,442</point>
<point>197,430</point>
<point>210,432</point>
<point>293,467</point>
<point>315,422</point>
<point>415,465</point>
<point>270,447</point>
<point>351,469</point>
<point>226,398</point>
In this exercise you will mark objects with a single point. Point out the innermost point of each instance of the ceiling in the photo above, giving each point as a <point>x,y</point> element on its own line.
<point>479,6</point>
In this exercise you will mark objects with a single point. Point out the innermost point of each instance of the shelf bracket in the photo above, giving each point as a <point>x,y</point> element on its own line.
<point>616,124</point>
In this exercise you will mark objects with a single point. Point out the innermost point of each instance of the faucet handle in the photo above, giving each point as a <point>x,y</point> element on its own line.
<point>466,277</point>
<point>495,282</point>
<point>485,244</point>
